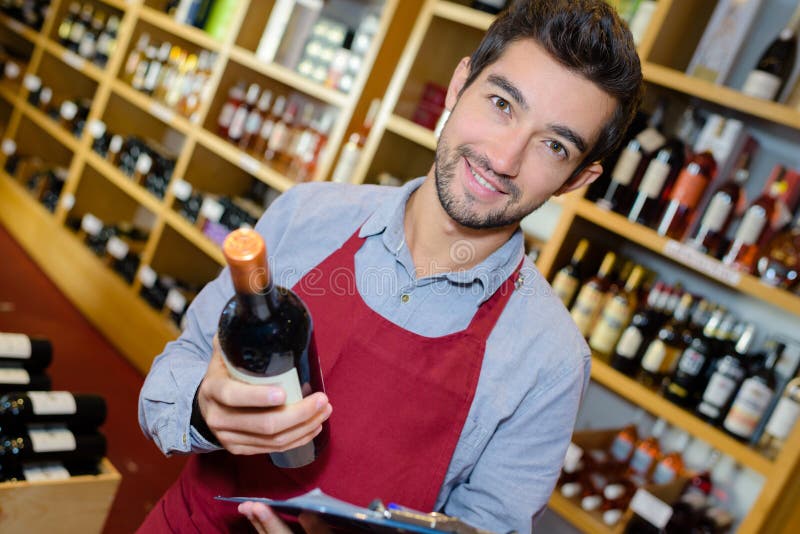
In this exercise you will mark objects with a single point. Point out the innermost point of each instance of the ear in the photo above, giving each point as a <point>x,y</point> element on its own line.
<point>584,178</point>
<point>457,82</point>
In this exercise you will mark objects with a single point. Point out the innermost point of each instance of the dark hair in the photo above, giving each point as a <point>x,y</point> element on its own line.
<point>587,37</point>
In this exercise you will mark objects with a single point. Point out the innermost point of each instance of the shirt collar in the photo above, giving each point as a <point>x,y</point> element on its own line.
<point>388,219</point>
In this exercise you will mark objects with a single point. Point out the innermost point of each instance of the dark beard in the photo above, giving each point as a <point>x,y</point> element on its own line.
<point>459,210</point>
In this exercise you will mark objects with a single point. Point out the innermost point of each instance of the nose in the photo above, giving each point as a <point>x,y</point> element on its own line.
<point>506,151</point>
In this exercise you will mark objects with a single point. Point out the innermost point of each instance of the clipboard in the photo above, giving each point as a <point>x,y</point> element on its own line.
<point>343,515</point>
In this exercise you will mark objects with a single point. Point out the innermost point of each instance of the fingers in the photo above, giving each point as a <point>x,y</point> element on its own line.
<point>305,414</point>
<point>263,519</point>
<point>247,444</point>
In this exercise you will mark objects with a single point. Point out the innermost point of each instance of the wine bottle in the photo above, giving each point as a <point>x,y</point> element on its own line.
<point>779,264</point>
<point>590,298</point>
<point>750,235</point>
<point>616,315</point>
<point>47,471</point>
<point>74,409</point>
<point>16,378</point>
<point>264,332</point>
<point>728,374</point>
<point>40,442</point>
<point>31,352</point>
<point>782,420</point>
<point>754,396</point>
<point>568,278</point>
<point>643,326</point>
<point>721,209</point>
<point>775,65</point>
<point>684,197</point>
<point>662,352</point>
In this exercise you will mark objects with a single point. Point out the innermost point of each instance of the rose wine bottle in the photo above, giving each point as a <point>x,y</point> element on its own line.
<point>684,197</point>
<point>264,332</point>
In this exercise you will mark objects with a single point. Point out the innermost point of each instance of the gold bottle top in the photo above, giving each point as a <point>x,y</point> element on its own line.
<point>246,254</point>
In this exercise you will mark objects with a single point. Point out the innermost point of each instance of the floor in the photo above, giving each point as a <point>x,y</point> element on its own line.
<point>84,361</point>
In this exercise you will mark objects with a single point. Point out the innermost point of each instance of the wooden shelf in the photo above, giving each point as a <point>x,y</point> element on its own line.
<point>75,61</point>
<point>244,161</point>
<point>9,92</point>
<point>656,404</point>
<point>719,94</point>
<point>128,186</point>
<point>50,126</point>
<point>122,5</point>
<point>156,109</point>
<point>463,15</point>
<point>577,516</point>
<point>290,78</point>
<point>686,256</point>
<point>195,236</point>
<point>184,31</point>
<point>411,131</point>
<point>19,28</point>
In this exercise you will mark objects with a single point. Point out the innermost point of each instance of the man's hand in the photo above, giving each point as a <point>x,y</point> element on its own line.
<point>251,419</point>
<point>265,521</point>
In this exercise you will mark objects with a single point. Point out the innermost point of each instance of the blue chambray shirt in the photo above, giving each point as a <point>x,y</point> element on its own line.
<point>535,368</point>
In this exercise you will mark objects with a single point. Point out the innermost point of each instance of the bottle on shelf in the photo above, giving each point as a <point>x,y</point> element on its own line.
<point>590,297</point>
<point>264,332</point>
<point>726,377</point>
<point>135,58</point>
<point>645,455</point>
<point>670,465</point>
<point>65,27</point>
<point>643,326</point>
<point>114,153</point>
<point>351,151</point>
<point>686,194</point>
<point>723,206</point>
<point>99,136</point>
<point>14,377</point>
<point>632,162</point>
<point>264,134</point>
<point>755,225</point>
<point>568,279</point>
<point>754,395</point>
<point>255,120</point>
<point>279,136</point>
<point>33,86</point>
<point>78,410</point>
<point>41,442</point>
<point>236,128</point>
<point>782,420</point>
<point>776,63</point>
<point>107,41</point>
<point>311,146</point>
<point>779,263</point>
<point>33,353</point>
<point>662,352</point>
<point>236,96</point>
<point>80,26</point>
<point>616,314</point>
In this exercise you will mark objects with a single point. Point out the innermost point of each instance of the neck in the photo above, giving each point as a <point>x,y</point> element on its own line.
<point>438,243</point>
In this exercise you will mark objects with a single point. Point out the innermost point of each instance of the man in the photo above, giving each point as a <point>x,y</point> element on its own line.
<point>453,375</point>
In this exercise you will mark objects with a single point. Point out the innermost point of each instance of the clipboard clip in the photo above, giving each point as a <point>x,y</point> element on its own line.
<point>433,520</point>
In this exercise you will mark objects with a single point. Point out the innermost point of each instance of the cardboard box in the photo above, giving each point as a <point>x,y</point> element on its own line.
<point>78,504</point>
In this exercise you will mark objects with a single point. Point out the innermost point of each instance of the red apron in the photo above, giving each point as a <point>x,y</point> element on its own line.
<point>400,402</point>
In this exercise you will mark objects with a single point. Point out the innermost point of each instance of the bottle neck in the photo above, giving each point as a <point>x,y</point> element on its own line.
<point>261,304</point>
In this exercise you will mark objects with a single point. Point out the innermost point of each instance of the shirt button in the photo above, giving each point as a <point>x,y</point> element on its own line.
<point>405,298</point>
<point>184,439</point>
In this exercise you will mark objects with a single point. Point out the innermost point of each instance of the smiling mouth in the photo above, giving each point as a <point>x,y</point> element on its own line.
<point>481,180</point>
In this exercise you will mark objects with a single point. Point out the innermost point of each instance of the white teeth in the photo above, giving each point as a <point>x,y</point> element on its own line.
<point>483,182</point>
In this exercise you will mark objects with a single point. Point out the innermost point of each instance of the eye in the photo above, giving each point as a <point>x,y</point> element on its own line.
<point>501,104</point>
<point>558,149</point>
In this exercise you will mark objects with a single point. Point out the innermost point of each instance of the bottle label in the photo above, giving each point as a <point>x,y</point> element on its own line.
<point>630,342</point>
<point>289,381</point>
<point>717,212</point>
<point>117,248</point>
<point>226,115</point>
<point>719,390</point>
<point>641,462</point>
<point>44,472</point>
<point>212,210</point>
<point>621,449</point>
<point>626,166</point>
<point>652,509</point>
<point>181,189</point>
<point>52,402</point>
<point>253,123</point>
<point>650,139</point>
<point>585,307</point>
<point>689,187</point>
<point>565,286</point>
<point>15,346</point>
<point>147,276</point>
<point>654,178</point>
<point>615,316</point>
<point>752,225</point>
<point>12,375</point>
<point>51,438</point>
<point>761,84</point>
<point>691,362</point>
<point>750,404</point>
<point>91,224</point>
<point>783,418</point>
<point>236,129</point>
<point>663,474</point>
<point>573,458</point>
<point>654,356</point>
<point>175,302</point>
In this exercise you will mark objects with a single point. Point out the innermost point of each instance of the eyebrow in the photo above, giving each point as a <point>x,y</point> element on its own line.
<point>564,131</point>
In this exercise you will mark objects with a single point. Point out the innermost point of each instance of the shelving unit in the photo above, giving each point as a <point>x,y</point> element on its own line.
<point>396,137</point>
<point>113,305</point>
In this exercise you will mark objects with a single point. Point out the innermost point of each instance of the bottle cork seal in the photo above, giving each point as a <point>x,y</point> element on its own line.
<point>246,253</point>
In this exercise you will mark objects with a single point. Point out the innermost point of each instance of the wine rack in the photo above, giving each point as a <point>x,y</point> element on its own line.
<point>113,305</point>
<point>396,134</point>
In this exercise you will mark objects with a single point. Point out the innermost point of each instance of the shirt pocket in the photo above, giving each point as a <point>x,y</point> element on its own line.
<point>471,445</point>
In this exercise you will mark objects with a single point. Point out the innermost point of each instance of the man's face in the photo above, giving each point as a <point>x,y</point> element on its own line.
<point>515,136</point>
